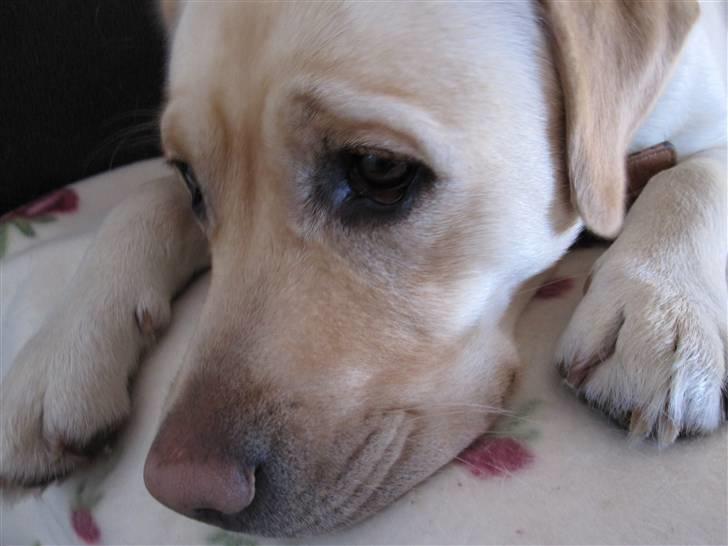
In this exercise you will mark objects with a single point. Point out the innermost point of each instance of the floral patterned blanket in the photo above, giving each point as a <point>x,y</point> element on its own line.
<point>552,472</point>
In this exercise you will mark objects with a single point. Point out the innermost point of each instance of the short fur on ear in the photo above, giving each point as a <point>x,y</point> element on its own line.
<point>613,58</point>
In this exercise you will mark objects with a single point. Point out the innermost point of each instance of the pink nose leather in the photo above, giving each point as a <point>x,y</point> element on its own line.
<point>189,487</point>
<point>190,474</point>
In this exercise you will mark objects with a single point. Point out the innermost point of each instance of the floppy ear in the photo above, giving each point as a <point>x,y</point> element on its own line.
<point>169,11</point>
<point>613,58</point>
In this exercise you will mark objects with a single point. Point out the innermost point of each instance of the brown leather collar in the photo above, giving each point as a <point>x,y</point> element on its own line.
<point>643,165</point>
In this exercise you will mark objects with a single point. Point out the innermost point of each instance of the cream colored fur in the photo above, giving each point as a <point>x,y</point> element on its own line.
<point>353,341</point>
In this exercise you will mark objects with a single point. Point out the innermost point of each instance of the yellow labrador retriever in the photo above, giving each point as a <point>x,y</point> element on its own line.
<point>371,183</point>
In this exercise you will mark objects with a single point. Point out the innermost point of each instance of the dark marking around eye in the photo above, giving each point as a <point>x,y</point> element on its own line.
<point>363,187</point>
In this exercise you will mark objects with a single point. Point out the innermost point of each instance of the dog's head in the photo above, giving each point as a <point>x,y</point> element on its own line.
<point>376,181</point>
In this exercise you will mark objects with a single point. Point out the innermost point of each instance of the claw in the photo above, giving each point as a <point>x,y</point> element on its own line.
<point>576,376</point>
<point>667,431</point>
<point>144,321</point>
<point>587,285</point>
<point>639,427</point>
<point>91,447</point>
<point>38,484</point>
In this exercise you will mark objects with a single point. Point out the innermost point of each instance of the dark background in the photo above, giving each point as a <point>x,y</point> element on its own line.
<point>80,90</point>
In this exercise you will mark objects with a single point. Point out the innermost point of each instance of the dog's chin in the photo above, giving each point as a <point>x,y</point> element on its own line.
<point>294,502</point>
<point>301,521</point>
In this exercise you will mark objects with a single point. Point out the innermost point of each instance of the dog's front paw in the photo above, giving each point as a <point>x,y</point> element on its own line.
<point>649,349</point>
<point>67,392</point>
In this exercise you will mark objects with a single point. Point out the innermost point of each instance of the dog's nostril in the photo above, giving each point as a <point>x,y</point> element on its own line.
<point>207,515</point>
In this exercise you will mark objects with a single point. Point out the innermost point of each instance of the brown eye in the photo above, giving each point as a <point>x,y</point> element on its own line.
<point>382,179</point>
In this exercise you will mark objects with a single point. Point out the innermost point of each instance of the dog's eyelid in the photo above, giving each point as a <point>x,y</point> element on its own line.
<point>187,174</point>
<point>383,150</point>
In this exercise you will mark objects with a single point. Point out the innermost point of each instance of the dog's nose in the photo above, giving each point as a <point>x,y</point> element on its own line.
<point>200,489</point>
<point>192,476</point>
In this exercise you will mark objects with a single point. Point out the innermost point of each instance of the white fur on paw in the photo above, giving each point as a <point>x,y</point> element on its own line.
<point>649,350</point>
<point>53,414</point>
<point>67,391</point>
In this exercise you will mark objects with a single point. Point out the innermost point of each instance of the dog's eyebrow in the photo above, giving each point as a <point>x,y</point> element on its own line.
<point>209,119</point>
<point>387,114</point>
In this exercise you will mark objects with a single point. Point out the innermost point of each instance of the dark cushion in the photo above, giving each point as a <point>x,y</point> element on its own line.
<point>79,80</point>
